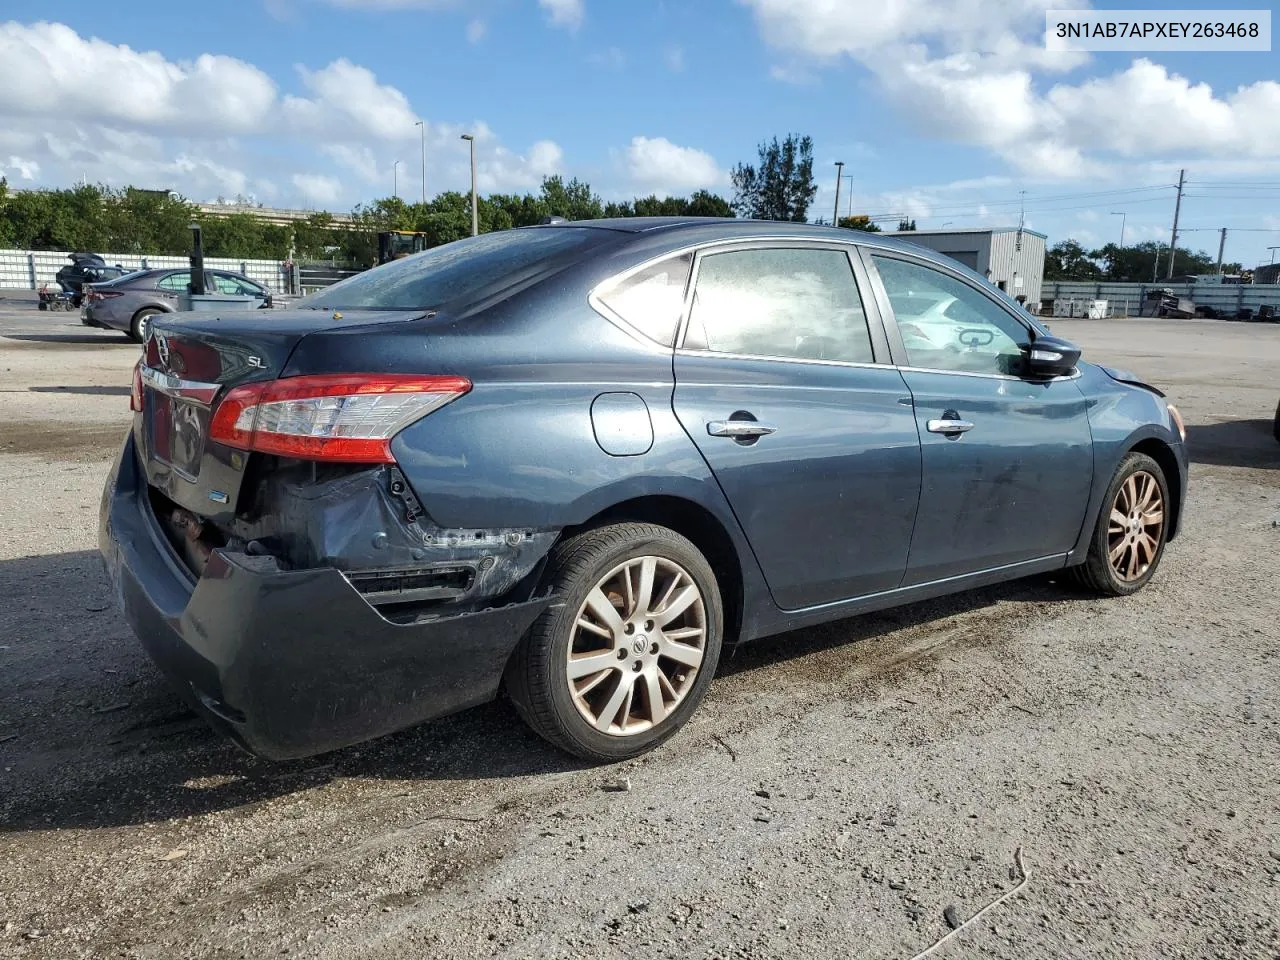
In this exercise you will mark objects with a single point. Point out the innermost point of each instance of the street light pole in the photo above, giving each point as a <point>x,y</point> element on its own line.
<point>848,207</point>
<point>422,125</point>
<point>835,216</point>
<point>395,180</point>
<point>1123,217</point>
<point>475,216</point>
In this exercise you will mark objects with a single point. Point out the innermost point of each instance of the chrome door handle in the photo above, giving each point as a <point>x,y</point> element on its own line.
<point>739,429</point>
<point>950,426</point>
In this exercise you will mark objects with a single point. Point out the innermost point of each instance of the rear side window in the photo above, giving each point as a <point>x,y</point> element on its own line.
<point>455,270</point>
<point>789,302</point>
<point>175,282</point>
<point>652,299</point>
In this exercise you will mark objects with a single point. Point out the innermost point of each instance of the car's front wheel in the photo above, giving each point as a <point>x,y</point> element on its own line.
<point>625,653</point>
<point>1129,537</point>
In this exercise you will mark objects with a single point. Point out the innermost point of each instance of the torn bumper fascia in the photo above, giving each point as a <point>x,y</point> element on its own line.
<point>291,663</point>
<point>370,521</point>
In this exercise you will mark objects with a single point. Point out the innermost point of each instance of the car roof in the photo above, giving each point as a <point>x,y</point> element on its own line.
<point>656,234</point>
<point>707,229</point>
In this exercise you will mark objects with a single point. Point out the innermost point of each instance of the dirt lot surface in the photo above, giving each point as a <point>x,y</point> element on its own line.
<point>840,790</point>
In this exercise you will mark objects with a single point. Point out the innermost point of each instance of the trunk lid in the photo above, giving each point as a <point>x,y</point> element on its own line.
<point>189,362</point>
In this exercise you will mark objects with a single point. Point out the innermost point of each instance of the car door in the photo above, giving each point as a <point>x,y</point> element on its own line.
<point>1007,460</point>
<point>782,382</point>
<point>171,286</point>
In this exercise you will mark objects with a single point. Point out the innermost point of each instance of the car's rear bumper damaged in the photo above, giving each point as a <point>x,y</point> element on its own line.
<point>291,663</point>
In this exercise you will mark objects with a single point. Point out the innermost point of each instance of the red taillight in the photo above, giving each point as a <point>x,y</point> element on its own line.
<point>348,418</point>
<point>135,393</point>
<point>96,295</point>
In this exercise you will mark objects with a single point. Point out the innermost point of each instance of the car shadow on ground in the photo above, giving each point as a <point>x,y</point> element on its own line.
<point>87,391</point>
<point>92,736</point>
<point>1235,443</point>
<point>111,338</point>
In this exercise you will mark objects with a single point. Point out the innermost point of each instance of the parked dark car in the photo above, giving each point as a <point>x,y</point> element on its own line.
<point>84,269</point>
<point>574,461</point>
<point>128,303</point>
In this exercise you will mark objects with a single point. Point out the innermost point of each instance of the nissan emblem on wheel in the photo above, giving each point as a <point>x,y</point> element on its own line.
<point>572,464</point>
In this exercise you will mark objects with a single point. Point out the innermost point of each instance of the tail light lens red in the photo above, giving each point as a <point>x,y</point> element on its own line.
<point>348,418</point>
<point>96,295</point>
<point>135,392</point>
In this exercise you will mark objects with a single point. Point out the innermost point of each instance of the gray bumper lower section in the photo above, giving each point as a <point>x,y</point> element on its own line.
<point>292,663</point>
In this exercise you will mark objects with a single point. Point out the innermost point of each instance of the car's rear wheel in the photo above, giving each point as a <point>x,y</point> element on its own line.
<point>1277,426</point>
<point>141,321</point>
<point>1129,538</point>
<point>624,655</point>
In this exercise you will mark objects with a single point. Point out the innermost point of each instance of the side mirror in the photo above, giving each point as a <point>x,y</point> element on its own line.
<point>1047,357</point>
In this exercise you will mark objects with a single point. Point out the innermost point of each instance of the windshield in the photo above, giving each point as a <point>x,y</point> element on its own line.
<point>451,271</point>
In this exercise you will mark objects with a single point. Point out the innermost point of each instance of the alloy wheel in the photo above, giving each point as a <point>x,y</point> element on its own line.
<point>1134,533</point>
<point>638,642</point>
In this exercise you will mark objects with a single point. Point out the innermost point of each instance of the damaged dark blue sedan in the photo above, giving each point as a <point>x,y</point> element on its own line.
<point>574,461</point>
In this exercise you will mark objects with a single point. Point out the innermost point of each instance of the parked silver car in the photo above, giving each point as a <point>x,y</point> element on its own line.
<point>129,302</point>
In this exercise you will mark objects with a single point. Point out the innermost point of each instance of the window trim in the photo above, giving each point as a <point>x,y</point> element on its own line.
<point>596,302</point>
<point>870,308</point>
<point>898,348</point>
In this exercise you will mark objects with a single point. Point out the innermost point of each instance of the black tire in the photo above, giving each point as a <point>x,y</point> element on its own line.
<point>1097,574</point>
<point>138,326</point>
<point>536,680</point>
<point>1277,426</point>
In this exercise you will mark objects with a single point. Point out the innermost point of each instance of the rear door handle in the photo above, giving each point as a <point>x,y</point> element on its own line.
<point>740,429</point>
<point>950,426</point>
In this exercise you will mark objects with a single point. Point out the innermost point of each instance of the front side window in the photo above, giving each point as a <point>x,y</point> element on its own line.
<point>227,286</point>
<point>788,302</point>
<point>947,324</point>
<point>652,299</point>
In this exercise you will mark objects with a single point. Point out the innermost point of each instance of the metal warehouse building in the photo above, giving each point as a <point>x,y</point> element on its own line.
<point>1012,258</point>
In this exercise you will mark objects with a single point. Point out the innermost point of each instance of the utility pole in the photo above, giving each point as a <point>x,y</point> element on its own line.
<point>1273,253</point>
<point>835,217</point>
<point>1222,243</point>
<point>1123,217</point>
<point>1177,209</point>
<point>475,217</point>
<point>395,180</point>
<point>422,125</point>
<point>1155,271</point>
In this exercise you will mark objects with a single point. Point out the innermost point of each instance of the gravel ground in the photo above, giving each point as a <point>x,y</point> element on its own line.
<point>842,790</point>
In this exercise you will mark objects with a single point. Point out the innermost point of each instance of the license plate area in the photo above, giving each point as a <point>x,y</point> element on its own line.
<point>177,432</point>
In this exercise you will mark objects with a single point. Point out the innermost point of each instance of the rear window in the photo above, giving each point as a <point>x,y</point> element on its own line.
<point>452,271</point>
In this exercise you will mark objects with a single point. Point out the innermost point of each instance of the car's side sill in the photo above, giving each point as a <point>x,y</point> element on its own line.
<point>780,621</point>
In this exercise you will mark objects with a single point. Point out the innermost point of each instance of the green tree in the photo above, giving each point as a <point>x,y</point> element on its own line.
<point>860,222</point>
<point>573,200</point>
<point>1137,263</point>
<point>704,203</point>
<point>1067,260</point>
<point>906,225</point>
<point>6,230</point>
<point>780,185</point>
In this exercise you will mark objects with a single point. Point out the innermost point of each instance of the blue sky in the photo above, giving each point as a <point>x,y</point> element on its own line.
<point>944,110</point>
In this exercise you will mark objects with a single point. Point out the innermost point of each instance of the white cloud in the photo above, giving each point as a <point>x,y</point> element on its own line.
<point>357,158</point>
<point>656,164</point>
<point>500,170</point>
<point>348,101</point>
<point>968,70</point>
<point>317,188</point>
<point>26,169</point>
<point>564,13</point>
<point>476,29</point>
<point>47,69</point>
<point>216,126</point>
<point>793,73</point>
<point>611,57</point>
